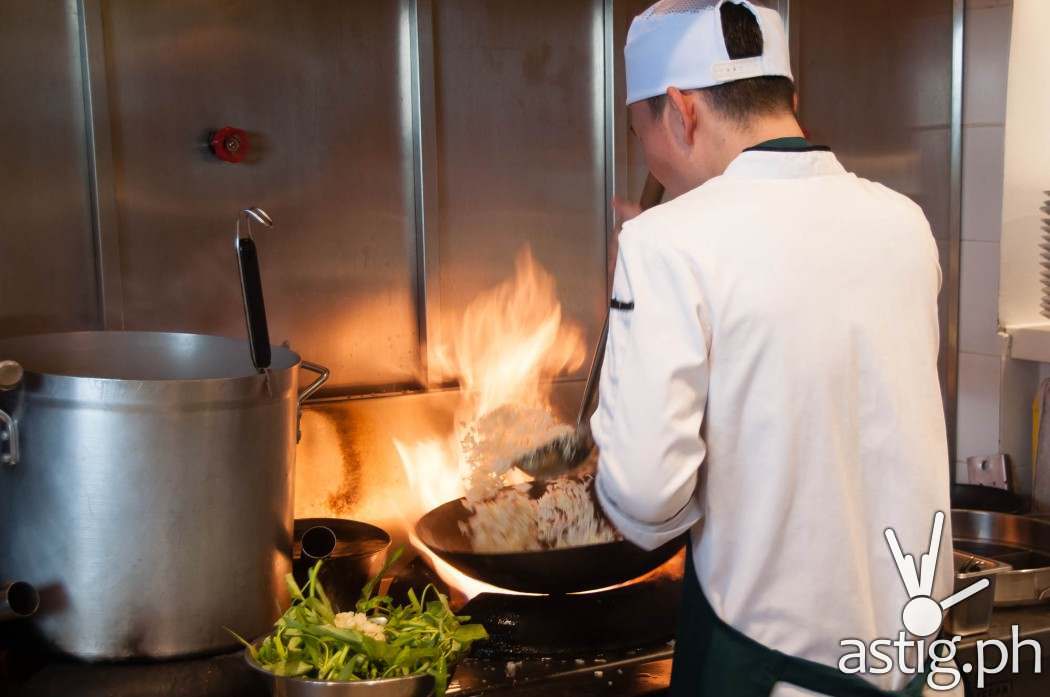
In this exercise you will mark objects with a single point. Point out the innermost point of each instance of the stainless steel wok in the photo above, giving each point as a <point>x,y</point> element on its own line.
<point>553,571</point>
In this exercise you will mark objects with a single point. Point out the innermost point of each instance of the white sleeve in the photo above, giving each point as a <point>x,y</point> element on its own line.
<point>652,395</point>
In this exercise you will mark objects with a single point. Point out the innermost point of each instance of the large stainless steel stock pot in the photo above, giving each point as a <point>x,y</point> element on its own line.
<point>146,488</point>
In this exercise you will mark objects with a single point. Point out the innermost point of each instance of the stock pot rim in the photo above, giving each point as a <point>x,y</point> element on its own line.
<point>238,365</point>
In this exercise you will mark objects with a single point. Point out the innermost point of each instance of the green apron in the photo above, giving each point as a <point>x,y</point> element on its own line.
<point>711,659</point>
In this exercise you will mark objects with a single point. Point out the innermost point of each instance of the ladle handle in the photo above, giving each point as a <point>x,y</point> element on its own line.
<point>254,307</point>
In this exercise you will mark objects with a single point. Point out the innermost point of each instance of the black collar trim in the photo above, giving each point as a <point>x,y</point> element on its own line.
<point>774,148</point>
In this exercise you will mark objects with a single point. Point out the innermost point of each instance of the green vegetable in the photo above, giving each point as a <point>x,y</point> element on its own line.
<point>422,638</point>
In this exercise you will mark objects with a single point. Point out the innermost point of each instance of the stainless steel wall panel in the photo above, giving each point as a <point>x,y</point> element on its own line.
<point>876,86</point>
<point>951,288</point>
<point>318,85</point>
<point>420,134</point>
<point>99,142</point>
<point>47,272</point>
<point>521,148</point>
<point>615,117</point>
<point>635,156</point>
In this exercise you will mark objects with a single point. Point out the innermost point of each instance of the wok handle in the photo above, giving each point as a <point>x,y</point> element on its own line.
<point>254,307</point>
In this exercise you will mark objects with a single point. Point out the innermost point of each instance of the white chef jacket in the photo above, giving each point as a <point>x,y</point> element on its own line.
<point>774,389</point>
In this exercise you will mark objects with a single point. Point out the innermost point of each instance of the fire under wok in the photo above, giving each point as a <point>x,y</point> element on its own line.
<point>550,571</point>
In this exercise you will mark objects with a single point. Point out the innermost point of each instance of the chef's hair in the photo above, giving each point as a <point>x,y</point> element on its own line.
<point>742,99</point>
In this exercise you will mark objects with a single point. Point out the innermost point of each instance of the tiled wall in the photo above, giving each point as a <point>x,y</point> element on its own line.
<point>987,41</point>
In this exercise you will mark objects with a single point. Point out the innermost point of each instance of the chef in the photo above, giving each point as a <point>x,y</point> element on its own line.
<point>770,384</point>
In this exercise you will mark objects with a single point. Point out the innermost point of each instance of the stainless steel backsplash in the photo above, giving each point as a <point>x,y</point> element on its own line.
<point>407,149</point>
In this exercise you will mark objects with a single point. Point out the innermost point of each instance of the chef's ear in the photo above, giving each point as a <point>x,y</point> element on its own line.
<point>682,114</point>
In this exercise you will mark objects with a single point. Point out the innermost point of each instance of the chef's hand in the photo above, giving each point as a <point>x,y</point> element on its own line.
<point>624,210</point>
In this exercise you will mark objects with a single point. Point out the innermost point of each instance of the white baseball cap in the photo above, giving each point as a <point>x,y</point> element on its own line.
<point>679,43</point>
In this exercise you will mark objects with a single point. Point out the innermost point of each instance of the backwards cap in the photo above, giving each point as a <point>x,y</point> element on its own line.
<point>679,43</point>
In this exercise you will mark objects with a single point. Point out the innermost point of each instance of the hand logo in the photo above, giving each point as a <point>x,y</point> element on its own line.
<point>923,615</point>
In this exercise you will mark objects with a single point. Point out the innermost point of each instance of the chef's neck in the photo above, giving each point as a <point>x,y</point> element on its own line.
<point>720,141</point>
<point>687,140</point>
<point>768,128</point>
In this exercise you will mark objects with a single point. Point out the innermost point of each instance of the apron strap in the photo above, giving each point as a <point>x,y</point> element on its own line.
<point>830,681</point>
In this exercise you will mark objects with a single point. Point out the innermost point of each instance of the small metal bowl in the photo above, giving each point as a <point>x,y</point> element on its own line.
<point>280,686</point>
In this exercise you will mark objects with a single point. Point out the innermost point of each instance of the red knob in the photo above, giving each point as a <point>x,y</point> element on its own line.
<point>230,144</point>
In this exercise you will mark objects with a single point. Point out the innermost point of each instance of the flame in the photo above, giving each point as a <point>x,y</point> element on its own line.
<point>426,464</point>
<point>509,344</point>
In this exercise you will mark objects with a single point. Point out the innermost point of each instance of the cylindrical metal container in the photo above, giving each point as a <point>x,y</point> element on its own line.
<point>356,553</point>
<point>150,501</point>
